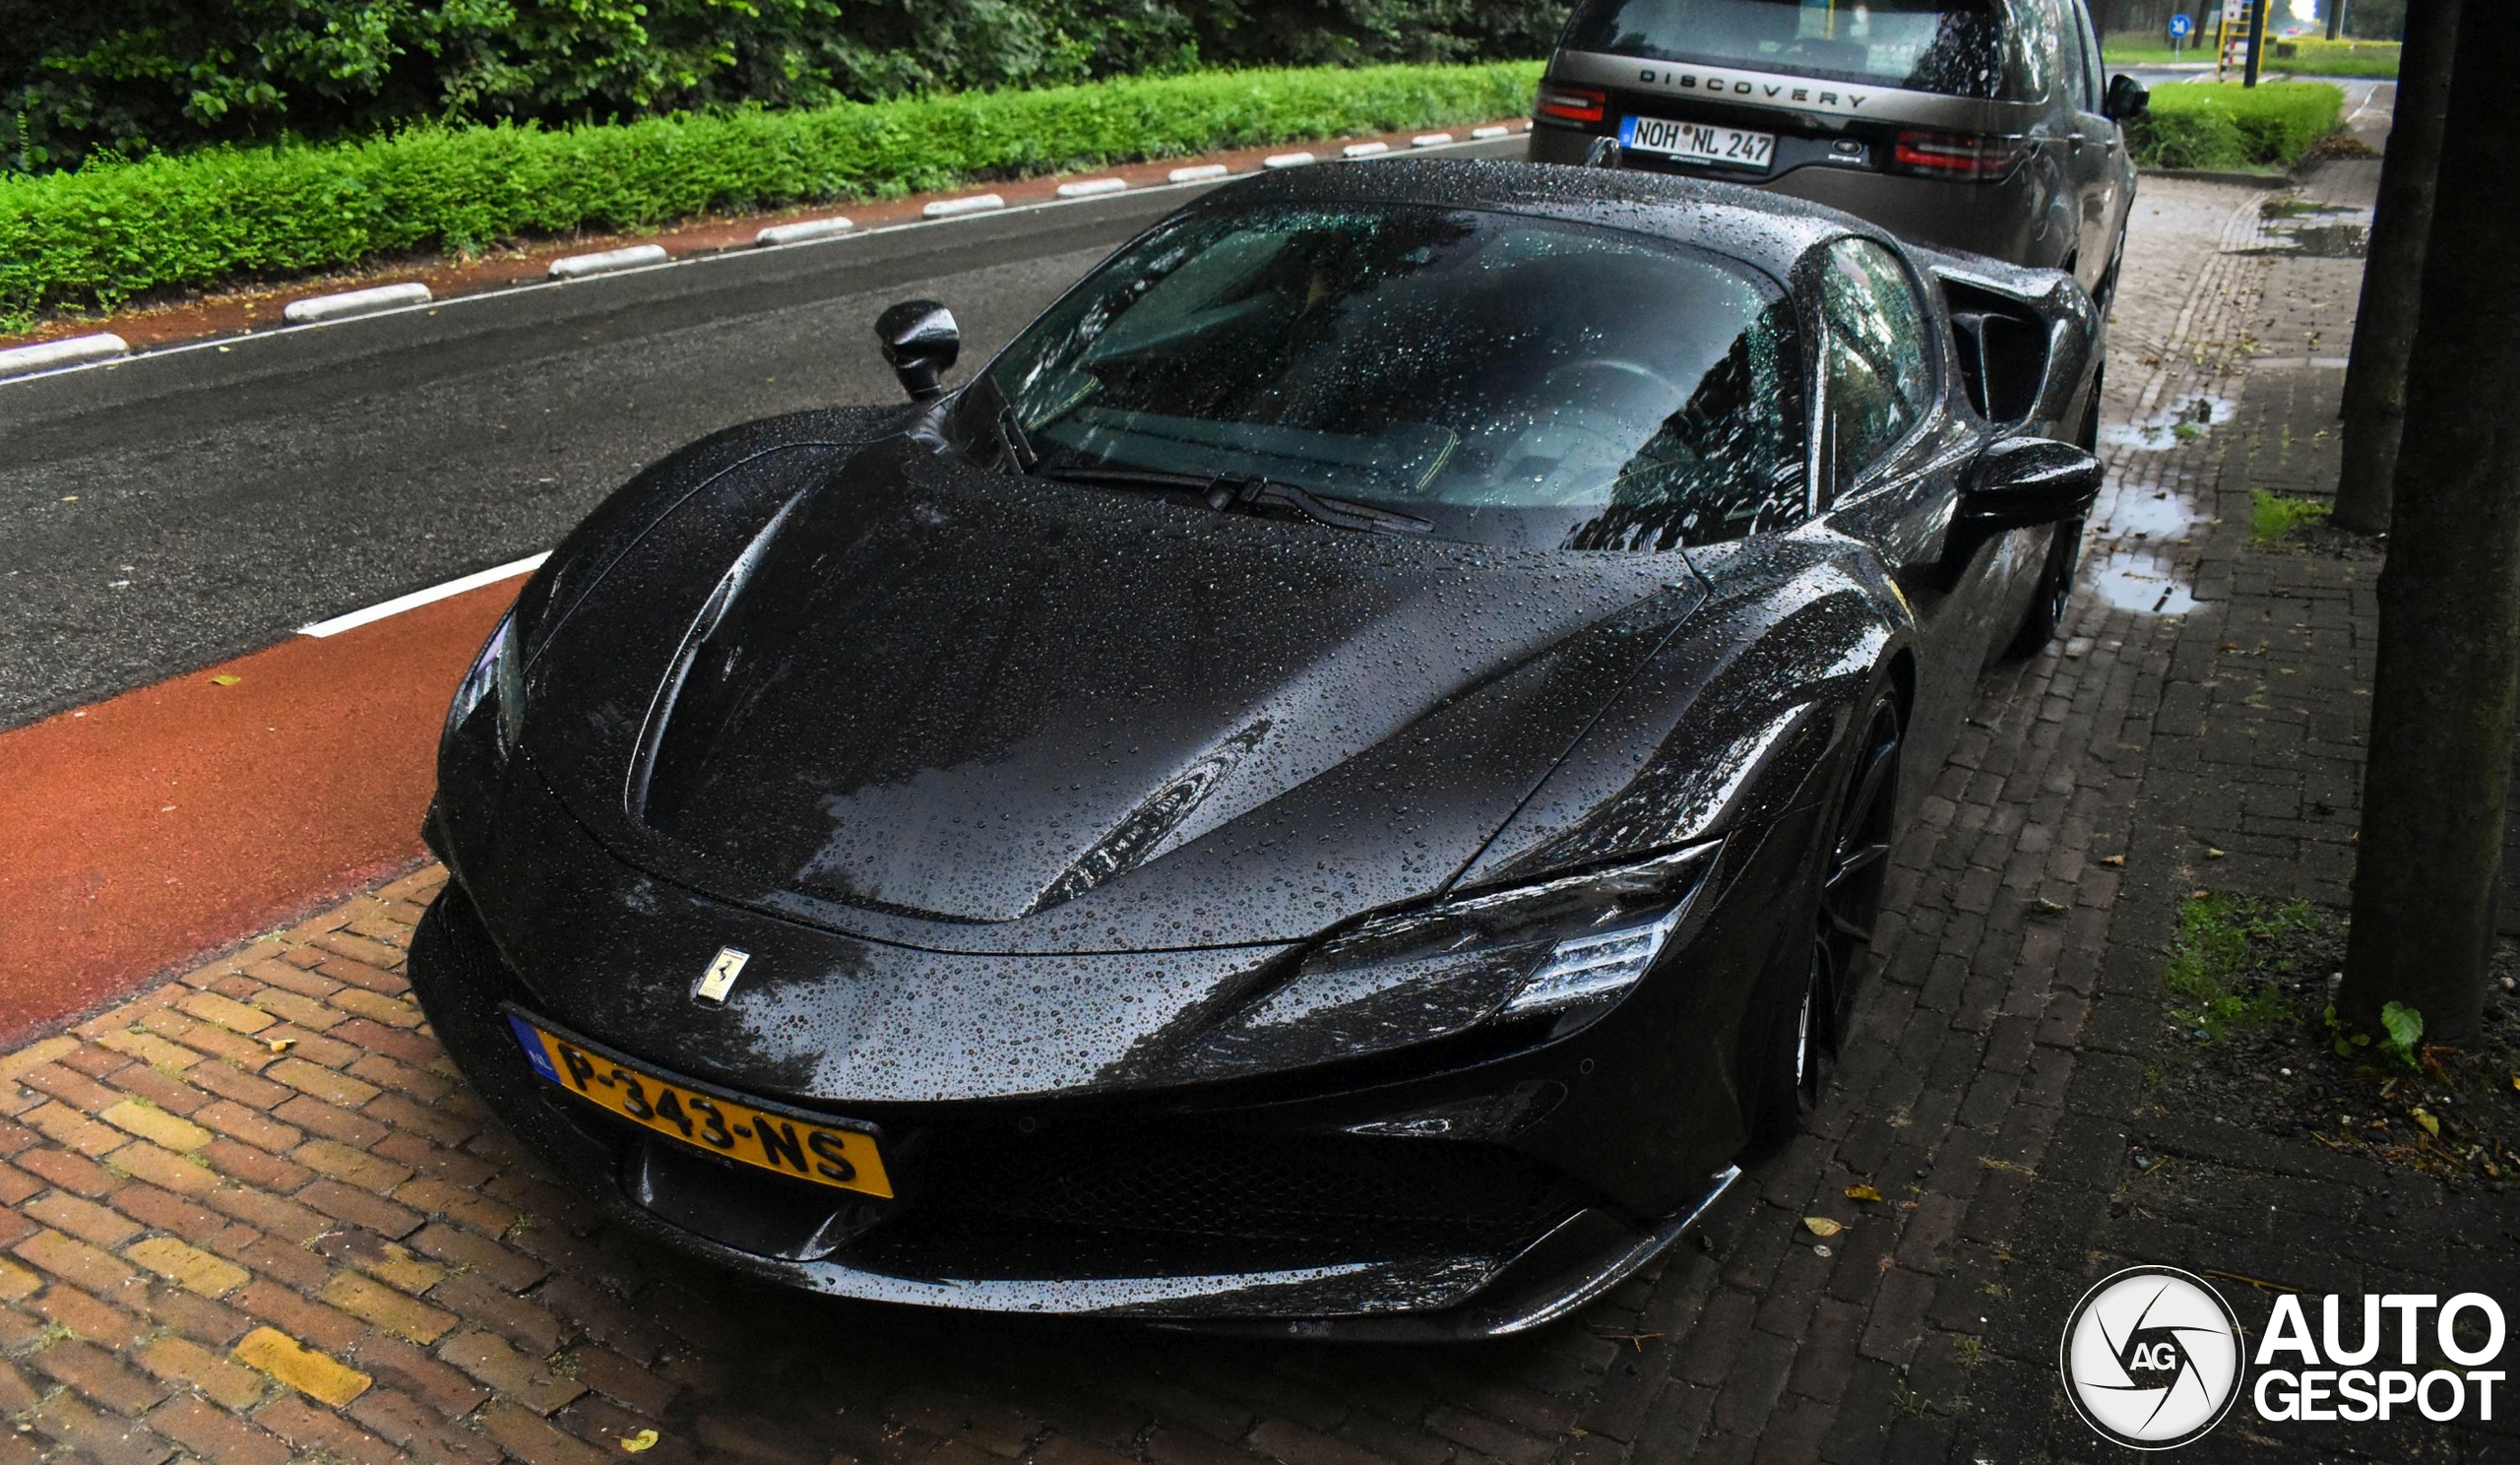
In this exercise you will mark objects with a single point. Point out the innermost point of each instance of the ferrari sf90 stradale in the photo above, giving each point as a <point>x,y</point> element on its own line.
<point>1336,784</point>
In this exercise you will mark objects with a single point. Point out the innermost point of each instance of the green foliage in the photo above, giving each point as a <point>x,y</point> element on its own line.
<point>2147,48</point>
<point>2272,516</point>
<point>2225,125</point>
<point>96,237</point>
<point>2401,1035</point>
<point>2405,1028</point>
<point>2211,955</point>
<point>2336,58</point>
<point>130,77</point>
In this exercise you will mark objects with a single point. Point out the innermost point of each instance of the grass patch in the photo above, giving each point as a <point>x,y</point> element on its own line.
<point>2151,48</point>
<point>2272,516</point>
<point>2335,58</point>
<point>2225,125</point>
<point>2307,56</point>
<point>94,238</point>
<point>2212,954</point>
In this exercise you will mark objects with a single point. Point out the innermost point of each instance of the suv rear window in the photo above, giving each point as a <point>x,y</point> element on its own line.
<point>1956,48</point>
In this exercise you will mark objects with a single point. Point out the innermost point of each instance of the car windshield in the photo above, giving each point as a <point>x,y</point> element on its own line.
<point>1494,377</point>
<point>1956,48</point>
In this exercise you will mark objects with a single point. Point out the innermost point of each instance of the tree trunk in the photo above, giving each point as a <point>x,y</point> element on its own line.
<point>2430,852</point>
<point>2393,272</point>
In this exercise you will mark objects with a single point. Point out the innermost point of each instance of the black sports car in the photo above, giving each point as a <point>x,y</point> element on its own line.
<point>1336,786</point>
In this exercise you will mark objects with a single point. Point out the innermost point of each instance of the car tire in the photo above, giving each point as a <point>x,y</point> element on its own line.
<point>2105,297</point>
<point>2046,613</point>
<point>1822,962</point>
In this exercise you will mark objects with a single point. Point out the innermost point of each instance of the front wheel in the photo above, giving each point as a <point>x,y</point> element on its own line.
<point>2047,613</point>
<point>1808,1031</point>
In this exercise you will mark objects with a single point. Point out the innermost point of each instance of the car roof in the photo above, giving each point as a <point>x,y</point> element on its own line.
<point>1762,229</point>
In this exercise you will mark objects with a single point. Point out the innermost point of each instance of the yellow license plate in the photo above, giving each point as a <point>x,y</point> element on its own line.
<point>720,1123</point>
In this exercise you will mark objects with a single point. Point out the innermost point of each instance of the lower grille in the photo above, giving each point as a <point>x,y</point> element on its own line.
<point>1198,1198</point>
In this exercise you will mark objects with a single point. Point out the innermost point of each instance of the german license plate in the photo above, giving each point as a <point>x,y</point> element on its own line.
<point>1698,142</point>
<point>787,1143</point>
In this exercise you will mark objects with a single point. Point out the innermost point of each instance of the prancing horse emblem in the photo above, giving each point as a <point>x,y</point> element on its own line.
<point>714,984</point>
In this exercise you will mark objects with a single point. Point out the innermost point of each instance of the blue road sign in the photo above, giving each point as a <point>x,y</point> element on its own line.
<point>2182,28</point>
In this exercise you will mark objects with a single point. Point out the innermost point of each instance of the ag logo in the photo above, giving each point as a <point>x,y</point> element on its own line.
<point>2151,1358</point>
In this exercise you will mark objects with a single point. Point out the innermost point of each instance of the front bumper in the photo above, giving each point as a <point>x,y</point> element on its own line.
<point>1207,1221</point>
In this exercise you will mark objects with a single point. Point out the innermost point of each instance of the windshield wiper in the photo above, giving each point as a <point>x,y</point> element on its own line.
<point>1254,494</point>
<point>1228,492</point>
<point>1018,448</point>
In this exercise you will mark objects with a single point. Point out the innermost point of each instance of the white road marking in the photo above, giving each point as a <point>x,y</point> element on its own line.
<point>69,350</point>
<point>804,231</point>
<point>347,303</point>
<point>420,598</point>
<point>579,265</point>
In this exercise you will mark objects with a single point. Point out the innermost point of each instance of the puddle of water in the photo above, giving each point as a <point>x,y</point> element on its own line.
<point>2313,231</point>
<point>2334,240</point>
<point>2163,429</point>
<point>2151,517</point>
<point>2132,580</point>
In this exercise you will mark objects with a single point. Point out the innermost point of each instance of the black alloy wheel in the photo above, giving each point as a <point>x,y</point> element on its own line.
<point>1852,881</point>
<point>2047,613</point>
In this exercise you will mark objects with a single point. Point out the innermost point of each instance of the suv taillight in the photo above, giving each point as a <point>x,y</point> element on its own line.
<point>1571,103</point>
<point>1973,156</point>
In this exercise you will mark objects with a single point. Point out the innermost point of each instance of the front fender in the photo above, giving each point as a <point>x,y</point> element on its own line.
<point>1727,726</point>
<point>631,512</point>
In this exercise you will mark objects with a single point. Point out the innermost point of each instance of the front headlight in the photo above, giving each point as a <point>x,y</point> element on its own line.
<point>1569,948</point>
<point>496,678</point>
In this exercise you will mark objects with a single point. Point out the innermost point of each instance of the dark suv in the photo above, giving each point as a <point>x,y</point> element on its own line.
<point>1973,124</point>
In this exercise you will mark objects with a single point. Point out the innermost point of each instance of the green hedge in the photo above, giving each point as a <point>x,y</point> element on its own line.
<point>128,77</point>
<point>2225,125</point>
<point>98,236</point>
<point>2335,58</point>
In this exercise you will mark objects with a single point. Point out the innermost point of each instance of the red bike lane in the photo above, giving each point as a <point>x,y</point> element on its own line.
<point>147,829</point>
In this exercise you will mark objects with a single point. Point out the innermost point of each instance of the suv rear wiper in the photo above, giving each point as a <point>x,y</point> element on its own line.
<point>1229,492</point>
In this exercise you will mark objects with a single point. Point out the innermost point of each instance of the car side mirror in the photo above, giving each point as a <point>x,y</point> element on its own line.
<point>919,341</point>
<point>2022,482</point>
<point>2127,100</point>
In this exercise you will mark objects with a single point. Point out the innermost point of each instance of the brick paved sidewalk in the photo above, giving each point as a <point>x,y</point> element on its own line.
<point>253,1214</point>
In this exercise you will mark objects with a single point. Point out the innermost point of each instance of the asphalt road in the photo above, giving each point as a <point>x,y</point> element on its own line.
<point>183,507</point>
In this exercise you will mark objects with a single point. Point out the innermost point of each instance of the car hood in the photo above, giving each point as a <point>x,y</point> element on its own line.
<point>965,711</point>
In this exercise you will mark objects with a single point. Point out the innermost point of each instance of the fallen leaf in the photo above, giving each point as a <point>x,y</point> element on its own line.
<point>2431,1126</point>
<point>1822,1226</point>
<point>2045,907</point>
<point>1863,1192</point>
<point>2212,853</point>
<point>282,1045</point>
<point>225,679</point>
<point>645,1439</point>
<point>2119,860</point>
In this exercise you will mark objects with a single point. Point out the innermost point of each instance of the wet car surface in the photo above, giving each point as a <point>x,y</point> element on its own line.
<point>1985,125</point>
<point>1336,786</point>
